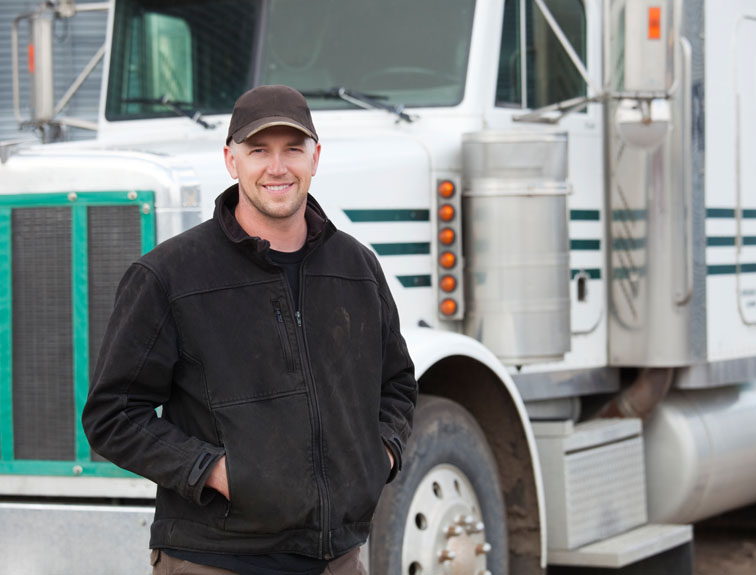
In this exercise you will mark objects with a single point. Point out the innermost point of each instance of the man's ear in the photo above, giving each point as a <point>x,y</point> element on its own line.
<point>228,156</point>
<point>315,158</point>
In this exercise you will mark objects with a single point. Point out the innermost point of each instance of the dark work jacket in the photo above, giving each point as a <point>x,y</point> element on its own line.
<point>301,397</point>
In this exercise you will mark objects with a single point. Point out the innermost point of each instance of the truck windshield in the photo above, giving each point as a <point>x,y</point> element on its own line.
<point>200,55</point>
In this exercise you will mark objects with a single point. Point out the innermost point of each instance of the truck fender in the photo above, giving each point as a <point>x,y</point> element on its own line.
<point>430,348</point>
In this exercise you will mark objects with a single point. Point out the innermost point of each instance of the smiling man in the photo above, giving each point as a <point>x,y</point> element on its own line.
<point>272,342</point>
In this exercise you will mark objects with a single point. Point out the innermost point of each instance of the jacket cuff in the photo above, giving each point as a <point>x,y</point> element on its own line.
<point>396,453</point>
<point>198,475</point>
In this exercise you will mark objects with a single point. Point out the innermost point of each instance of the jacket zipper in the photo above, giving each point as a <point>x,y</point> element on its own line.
<point>285,344</point>
<point>318,455</point>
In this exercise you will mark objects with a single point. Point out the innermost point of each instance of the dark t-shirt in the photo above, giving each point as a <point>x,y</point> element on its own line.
<point>291,262</point>
<point>275,563</point>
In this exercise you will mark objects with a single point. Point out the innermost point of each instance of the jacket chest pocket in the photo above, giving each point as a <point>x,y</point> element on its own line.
<point>283,337</point>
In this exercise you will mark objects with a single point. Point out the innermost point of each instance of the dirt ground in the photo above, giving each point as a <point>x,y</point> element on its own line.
<point>727,545</point>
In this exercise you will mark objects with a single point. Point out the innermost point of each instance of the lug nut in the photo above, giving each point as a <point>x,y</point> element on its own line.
<point>482,548</point>
<point>465,520</point>
<point>446,555</point>
<point>477,527</point>
<point>454,531</point>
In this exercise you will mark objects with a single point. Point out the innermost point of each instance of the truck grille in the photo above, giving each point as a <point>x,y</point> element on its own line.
<point>114,242</point>
<point>43,409</point>
<point>62,261</point>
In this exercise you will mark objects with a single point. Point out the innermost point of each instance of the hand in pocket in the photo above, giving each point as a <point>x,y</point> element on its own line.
<point>218,478</point>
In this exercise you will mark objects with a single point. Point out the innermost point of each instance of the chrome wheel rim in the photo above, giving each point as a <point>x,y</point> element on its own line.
<point>444,533</point>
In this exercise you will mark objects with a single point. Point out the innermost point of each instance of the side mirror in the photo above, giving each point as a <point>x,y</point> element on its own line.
<point>641,46</point>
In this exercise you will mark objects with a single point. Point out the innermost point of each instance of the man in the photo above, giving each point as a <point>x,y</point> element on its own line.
<point>272,342</point>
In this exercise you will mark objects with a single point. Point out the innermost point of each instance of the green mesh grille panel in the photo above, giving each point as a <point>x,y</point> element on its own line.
<point>114,241</point>
<point>43,404</point>
<point>62,255</point>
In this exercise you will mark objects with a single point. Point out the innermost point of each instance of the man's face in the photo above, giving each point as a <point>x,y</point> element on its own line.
<point>274,168</point>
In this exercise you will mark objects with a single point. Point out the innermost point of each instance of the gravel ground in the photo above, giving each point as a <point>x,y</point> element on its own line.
<point>725,552</point>
<point>727,545</point>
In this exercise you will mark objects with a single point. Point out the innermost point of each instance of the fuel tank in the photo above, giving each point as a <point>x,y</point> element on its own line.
<point>701,454</point>
<point>517,245</point>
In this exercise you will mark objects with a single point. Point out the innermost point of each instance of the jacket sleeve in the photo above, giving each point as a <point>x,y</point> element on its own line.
<point>133,377</point>
<point>399,388</point>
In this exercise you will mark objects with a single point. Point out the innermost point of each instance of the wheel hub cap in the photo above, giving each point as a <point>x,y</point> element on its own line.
<point>444,533</point>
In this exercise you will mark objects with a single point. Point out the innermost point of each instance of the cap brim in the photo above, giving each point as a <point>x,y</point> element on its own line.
<point>245,132</point>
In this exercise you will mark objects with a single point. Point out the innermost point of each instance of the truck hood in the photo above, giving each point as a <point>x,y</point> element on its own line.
<point>353,173</point>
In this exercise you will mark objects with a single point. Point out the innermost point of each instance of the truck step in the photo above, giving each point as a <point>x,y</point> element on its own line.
<point>625,549</point>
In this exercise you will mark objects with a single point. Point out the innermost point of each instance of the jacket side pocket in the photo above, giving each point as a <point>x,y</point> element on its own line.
<point>272,482</point>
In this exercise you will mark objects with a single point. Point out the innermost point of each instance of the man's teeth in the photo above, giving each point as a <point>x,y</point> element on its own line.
<point>277,188</point>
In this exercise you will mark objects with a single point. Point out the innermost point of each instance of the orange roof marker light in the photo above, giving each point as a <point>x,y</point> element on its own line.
<point>446,236</point>
<point>448,306</point>
<point>446,189</point>
<point>448,283</point>
<point>446,213</point>
<point>654,23</point>
<point>447,260</point>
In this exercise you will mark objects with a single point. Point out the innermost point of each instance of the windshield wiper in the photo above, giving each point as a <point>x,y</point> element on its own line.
<point>180,108</point>
<point>362,100</point>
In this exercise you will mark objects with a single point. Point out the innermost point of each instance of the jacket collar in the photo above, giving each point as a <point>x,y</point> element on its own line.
<point>319,227</point>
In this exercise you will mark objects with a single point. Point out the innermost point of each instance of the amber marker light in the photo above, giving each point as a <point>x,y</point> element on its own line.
<point>446,189</point>
<point>446,236</point>
<point>447,260</point>
<point>446,213</point>
<point>654,23</point>
<point>448,306</point>
<point>448,283</point>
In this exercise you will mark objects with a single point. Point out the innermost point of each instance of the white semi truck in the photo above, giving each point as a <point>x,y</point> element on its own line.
<point>562,194</point>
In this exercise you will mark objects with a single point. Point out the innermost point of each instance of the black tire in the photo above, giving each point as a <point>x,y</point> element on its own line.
<point>446,449</point>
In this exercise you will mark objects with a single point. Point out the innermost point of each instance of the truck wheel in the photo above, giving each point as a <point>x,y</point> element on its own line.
<point>444,513</point>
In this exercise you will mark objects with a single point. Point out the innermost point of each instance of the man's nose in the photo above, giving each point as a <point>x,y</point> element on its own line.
<point>277,165</point>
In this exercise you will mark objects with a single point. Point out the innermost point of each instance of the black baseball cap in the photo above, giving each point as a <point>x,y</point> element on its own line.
<point>267,106</point>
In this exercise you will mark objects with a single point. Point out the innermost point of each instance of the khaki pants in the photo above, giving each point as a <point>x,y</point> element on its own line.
<point>164,564</point>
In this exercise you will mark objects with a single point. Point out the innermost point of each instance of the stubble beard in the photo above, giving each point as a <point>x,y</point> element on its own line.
<point>273,211</point>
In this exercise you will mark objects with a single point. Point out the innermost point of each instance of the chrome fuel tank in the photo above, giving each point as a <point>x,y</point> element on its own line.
<point>700,453</point>
<point>516,242</point>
